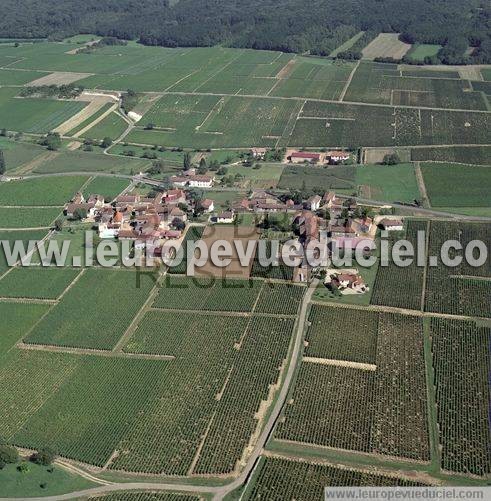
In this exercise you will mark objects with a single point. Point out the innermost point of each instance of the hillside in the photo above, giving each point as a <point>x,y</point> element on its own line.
<point>288,25</point>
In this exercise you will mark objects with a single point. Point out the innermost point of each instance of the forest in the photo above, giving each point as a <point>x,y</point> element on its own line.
<point>317,26</point>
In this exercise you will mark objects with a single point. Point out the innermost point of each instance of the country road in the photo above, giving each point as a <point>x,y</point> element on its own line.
<point>218,492</point>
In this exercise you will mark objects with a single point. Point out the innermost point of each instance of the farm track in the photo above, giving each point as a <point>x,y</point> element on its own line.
<point>421,185</point>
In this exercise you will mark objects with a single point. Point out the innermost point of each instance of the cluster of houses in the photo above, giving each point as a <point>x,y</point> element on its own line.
<point>150,221</point>
<point>330,157</point>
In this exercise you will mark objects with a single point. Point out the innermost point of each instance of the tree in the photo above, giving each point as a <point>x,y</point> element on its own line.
<point>106,142</point>
<point>2,163</point>
<point>52,141</point>
<point>79,214</point>
<point>3,132</point>
<point>222,171</point>
<point>391,159</point>
<point>59,224</point>
<point>23,467</point>
<point>203,168</point>
<point>187,161</point>
<point>8,454</point>
<point>44,456</point>
<point>150,126</point>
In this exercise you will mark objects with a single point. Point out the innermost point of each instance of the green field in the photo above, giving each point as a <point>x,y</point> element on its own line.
<point>111,126</point>
<point>77,161</point>
<point>327,178</point>
<point>17,153</point>
<point>10,237</point>
<point>108,187</point>
<point>473,185</point>
<point>11,77</point>
<point>17,319</point>
<point>37,283</point>
<point>25,217</point>
<point>419,51</point>
<point>480,155</point>
<point>387,182</point>
<point>89,120</point>
<point>48,191</point>
<point>68,323</point>
<point>34,115</point>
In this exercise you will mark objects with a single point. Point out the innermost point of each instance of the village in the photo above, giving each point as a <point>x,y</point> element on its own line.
<point>157,222</point>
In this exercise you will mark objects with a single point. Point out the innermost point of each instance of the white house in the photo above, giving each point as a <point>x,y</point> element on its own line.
<point>314,202</point>
<point>337,156</point>
<point>207,205</point>
<point>200,181</point>
<point>108,230</point>
<point>392,224</point>
<point>225,217</point>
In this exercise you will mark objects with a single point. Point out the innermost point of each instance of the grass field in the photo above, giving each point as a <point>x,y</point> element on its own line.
<point>68,324</point>
<point>90,119</point>
<point>473,181</point>
<point>78,161</point>
<point>296,176</point>
<point>37,283</point>
<point>50,191</point>
<point>387,182</point>
<point>10,237</point>
<point>421,50</point>
<point>25,217</point>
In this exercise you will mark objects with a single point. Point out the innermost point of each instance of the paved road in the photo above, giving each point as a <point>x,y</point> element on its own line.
<point>218,492</point>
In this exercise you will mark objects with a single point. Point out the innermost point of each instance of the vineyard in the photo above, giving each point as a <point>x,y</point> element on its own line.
<point>211,294</point>
<point>193,234</point>
<point>454,290</point>
<point>280,479</point>
<point>95,312</point>
<point>329,337</point>
<point>358,408</point>
<point>396,286</point>
<point>280,272</point>
<point>334,412</point>
<point>478,155</point>
<point>400,425</point>
<point>461,360</point>
<point>37,283</point>
<point>146,496</point>
<point>279,299</point>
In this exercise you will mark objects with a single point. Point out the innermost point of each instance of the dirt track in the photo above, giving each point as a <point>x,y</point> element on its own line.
<point>386,45</point>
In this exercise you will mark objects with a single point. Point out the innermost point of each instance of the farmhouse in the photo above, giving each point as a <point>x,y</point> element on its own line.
<point>392,224</point>
<point>225,217</point>
<point>347,282</point>
<point>304,156</point>
<point>200,181</point>
<point>258,153</point>
<point>180,181</point>
<point>334,157</point>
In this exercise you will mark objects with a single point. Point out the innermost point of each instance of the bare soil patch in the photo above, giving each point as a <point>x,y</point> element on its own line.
<point>386,45</point>
<point>58,78</point>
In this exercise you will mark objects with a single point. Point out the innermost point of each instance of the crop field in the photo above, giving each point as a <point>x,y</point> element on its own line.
<point>17,319</point>
<point>25,217</point>
<point>334,412</point>
<point>10,237</point>
<point>453,290</point>
<point>37,283</point>
<point>193,234</point>
<point>428,72</point>
<point>279,299</point>
<point>388,290</point>
<point>103,396</point>
<point>473,181</point>
<point>17,153</point>
<point>387,182</point>
<point>34,115</point>
<point>363,409</point>
<point>90,119</point>
<point>327,336</point>
<point>281,478</point>
<point>461,360</point>
<point>68,324</point>
<point>328,178</point>
<point>307,78</point>
<point>479,155</point>
<point>208,294</point>
<point>280,272</point>
<point>108,187</point>
<point>204,121</point>
<point>52,191</point>
<point>12,77</point>
<point>111,126</point>
<point>383,84</point>
<point>146,496</point>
